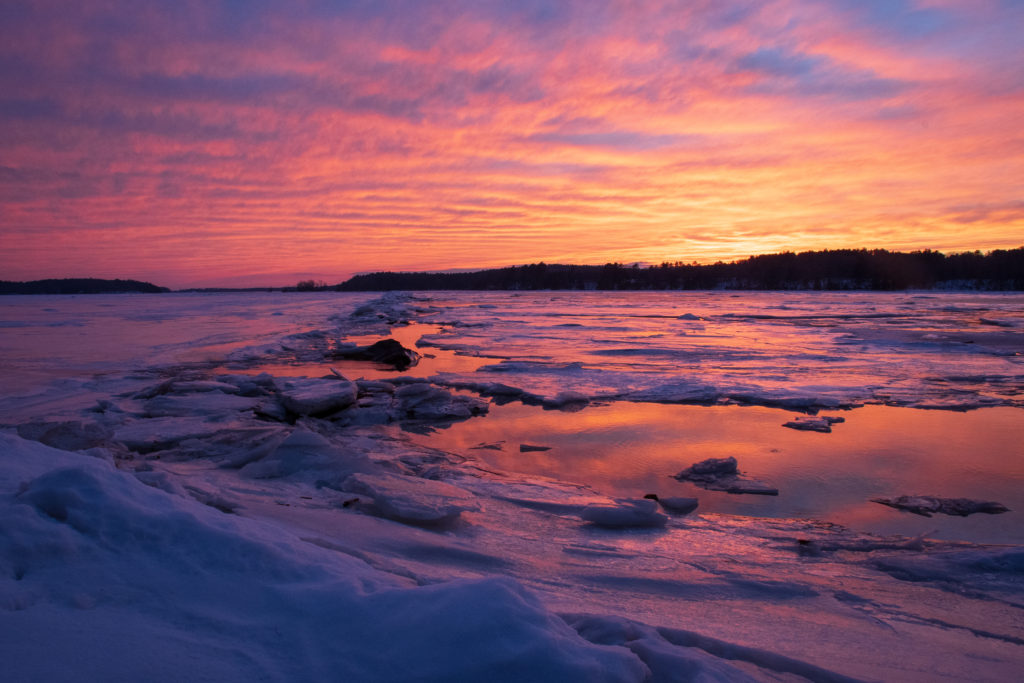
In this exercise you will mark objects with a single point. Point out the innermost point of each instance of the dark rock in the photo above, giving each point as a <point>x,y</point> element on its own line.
<point>721,474</point>
<point>527,448</point>
<point>385,351</point>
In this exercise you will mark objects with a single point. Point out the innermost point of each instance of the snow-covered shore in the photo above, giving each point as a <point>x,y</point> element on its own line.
<point>196,522</point>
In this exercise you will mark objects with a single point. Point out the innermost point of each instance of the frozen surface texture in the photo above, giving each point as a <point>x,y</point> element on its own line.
<point>213,503</point>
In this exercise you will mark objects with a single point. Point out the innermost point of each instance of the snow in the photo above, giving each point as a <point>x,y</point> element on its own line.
<point>625,513</point>
<point>163,516</point>
<point>108,579</point>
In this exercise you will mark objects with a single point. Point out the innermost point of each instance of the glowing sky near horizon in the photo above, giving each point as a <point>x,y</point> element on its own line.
<point>200,143</point>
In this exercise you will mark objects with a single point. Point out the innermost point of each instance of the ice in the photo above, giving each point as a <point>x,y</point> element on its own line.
<point>926,506</point>
<point>188,527</point>
<point>424,401</point>
<point>69,435</point>
<point>410,499</point>
<point>822,423</point>
<point>721,474</point>
<point>159,433</point>
<point>302,451</point>
<point>131,583</point>
<point>677,505</point>
<point>625,513</point>
<point>205,403</point>
<point>318,396</point>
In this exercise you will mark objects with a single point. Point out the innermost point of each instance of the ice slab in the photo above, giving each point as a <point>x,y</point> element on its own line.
<point>411,499</point>
<point>318,396</point>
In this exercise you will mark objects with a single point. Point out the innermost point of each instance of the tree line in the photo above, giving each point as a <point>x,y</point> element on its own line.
<point>81,285</point>
<point>836,269</point>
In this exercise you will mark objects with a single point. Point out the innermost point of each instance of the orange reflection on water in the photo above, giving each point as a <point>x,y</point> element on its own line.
<point>630,449</point>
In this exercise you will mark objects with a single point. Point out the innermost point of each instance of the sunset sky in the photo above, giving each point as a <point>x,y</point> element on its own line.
<point>248,142</point>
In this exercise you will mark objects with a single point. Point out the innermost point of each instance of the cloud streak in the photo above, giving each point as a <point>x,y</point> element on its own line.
<point>184,139</point>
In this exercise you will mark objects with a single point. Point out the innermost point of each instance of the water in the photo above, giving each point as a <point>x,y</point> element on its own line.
<point>672,378</point>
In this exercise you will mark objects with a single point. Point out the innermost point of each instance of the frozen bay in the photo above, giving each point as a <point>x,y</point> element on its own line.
<point>180,392</point>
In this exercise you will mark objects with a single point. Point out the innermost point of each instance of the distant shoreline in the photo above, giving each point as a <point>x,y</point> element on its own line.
<point>828,270</point>
<point>80,286</point>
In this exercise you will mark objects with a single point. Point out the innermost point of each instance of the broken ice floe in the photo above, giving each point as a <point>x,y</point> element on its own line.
<point>423,401</point>
<point>822,423</point>
<point>926,506</point>
<point>69,435</point>
<point>411,499</point>
<point>721,474</point>
<point>318,396</point>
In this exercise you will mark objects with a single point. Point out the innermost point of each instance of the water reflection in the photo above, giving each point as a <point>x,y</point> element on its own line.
<point>630,449</point>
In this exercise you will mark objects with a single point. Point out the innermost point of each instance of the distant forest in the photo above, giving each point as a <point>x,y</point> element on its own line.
<point>78,286</point>
<point>840,269</point>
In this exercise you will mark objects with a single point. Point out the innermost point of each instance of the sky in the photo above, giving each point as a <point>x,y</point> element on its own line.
<point>249,142</point>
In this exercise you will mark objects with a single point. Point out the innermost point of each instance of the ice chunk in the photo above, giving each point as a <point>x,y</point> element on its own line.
<point>304,450</point>
<point>625,513</point>
<point>70,435</point>
<point>424,401</point>
<point>721,474</point>
<point>411,499</point>
<point>163,432</point>
<point>201,385</point>
<point>206,403</point>
<point>814,424</point>
<point>318,396</point>
<point>926,506</point>
<point>567,400</point>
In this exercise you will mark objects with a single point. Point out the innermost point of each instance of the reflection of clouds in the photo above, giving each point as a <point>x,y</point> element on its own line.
<point>246,138</point>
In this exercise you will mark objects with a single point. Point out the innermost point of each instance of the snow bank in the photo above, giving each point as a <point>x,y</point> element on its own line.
<point>105,578</point>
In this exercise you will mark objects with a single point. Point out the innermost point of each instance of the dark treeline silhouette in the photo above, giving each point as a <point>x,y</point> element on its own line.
<point>838,269</point>
<point>83,285</point>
